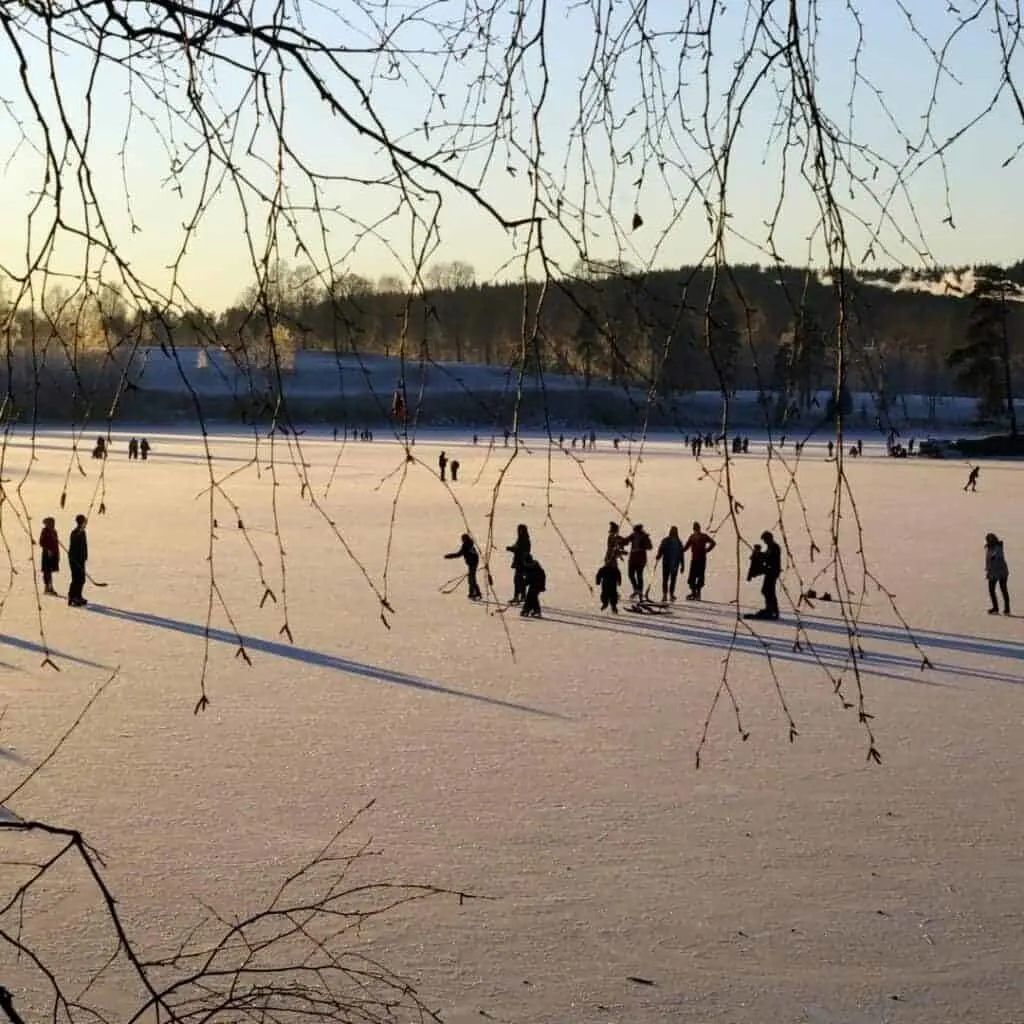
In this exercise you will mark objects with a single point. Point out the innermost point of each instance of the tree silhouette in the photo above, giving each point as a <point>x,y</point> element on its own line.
<point>983,363</point>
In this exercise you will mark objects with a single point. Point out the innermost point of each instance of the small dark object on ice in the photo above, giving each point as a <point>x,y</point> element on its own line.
<point>826,596</point>
<point>812,594</point>
<point>637,980</point>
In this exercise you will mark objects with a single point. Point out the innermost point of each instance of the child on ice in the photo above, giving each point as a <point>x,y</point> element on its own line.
<point>609,579</point>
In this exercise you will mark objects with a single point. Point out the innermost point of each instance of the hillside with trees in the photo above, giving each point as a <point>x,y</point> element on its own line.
<point>670,332</point>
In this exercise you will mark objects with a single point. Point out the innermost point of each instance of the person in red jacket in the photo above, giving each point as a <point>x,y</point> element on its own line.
<point>49,542</point>
<point>698,544</point>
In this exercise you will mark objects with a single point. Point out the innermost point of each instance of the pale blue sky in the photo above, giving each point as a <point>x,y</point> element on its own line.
<point>217,267</point>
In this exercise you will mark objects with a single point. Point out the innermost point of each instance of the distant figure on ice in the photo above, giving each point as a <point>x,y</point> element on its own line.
<point>831,449</point>
<point>100,451</point>
<point>609,579</point>
<point>766,563</point>
<point>144,449</point>
<point>78,555</point>
<point>746,445</point>
<point>536,583</point>
<point>972,479</point>
<point>997,573</point>
<point>670,554</point>
<point>860,446</point>
<point>442,464</point>
<point>593,440</point>
<point>476,439</point>
<point>49,544</point>
<point>468,553</point>
<point>699,544</point>
<point>520,553</point>
<point>454,467</point>
<point>133,448</point>
<point>508,434</point>
<point>639,545</point>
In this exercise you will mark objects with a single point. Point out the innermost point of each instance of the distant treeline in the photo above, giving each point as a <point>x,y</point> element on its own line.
<point>672,332</point>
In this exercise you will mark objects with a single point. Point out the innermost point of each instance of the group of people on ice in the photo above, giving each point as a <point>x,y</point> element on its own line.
<point>670,555</point>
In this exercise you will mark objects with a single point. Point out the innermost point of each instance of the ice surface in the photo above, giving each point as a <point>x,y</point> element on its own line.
<point>788,882</point>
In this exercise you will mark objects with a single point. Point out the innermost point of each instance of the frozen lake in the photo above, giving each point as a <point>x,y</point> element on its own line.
<point>781,881</point>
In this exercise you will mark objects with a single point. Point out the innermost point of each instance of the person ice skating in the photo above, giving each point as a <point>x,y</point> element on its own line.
<point>639,545</point>
<point>468,553</point>
<point>766,563</point>
<point>535,582</point>
<point>670,554</point>
<point>615,544</point>
<point>997,573</point>
<point>144,449</point>
<point>520,552</point>
<point>699,544</point>
<point>49,544</point>
<point>609,579</point>
<point>133,448</point>
<point>972,479</point>
<point>78,555</point>
<point>454,467</point>
<point>442,465</point>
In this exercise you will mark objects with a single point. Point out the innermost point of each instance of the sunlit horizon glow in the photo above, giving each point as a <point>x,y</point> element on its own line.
<point>570,170</point>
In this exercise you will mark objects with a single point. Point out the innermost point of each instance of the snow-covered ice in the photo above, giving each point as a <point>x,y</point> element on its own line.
<point>782,881</point>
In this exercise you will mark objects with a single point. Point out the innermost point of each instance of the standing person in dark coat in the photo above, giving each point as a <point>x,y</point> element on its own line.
<point>49,544</point>
<point>455,470</point>
<point>699,544</point>
<point>520,552</point>
<point>997,572</point>
<point>639,545</point>
<point>536,583</point>
<point>442,463</point>
<point>78,555</point>
<point>767,563</point>
<point>468,553</point>
<point>609,579</point>
<point>144,449</point>
<point>670,554</point>
<point>133,448</point>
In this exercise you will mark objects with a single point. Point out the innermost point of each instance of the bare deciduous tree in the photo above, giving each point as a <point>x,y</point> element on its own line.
<point>597,142</point>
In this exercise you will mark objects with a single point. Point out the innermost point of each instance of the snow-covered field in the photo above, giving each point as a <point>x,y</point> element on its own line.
<point>781,881</point>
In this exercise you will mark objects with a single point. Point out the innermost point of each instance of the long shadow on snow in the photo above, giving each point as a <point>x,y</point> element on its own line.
<point>30,645</point>
<point>309,657</point>
<point>834,656</point>
<point>928,638</point>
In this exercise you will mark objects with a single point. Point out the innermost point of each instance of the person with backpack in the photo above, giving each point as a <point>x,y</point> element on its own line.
<point>49,544</point>
<point>997,573</point>
<point>609,579</point>
<point>639,545</point>
<point>670,554</point>
<point>536,582</point>
<point>469,554</point>
<point>699,544</point>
